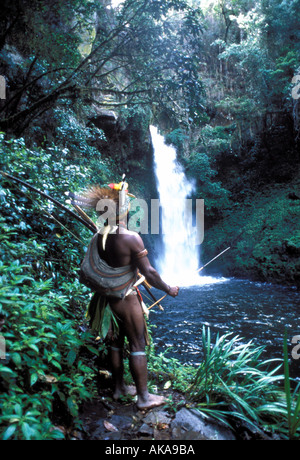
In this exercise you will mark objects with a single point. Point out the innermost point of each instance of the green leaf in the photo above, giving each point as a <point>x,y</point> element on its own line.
<point>9,432</point>
<point>106,322</point>
<point>27,431</point>
<point>71,357</point>
<point>16,358</point>
<point>18,409</point>
<point>92,350</point>
<point>56,364</point>
<point>72,406</point>
<point>33,347</point>
<point>33,379</point>
<point>6,371</point>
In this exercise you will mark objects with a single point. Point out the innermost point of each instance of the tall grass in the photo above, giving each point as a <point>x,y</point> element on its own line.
<point>235,383</point>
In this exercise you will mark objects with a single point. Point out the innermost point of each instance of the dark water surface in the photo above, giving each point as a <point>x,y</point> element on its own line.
<point>251,310</point>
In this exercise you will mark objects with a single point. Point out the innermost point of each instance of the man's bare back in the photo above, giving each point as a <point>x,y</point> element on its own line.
<point>123,247</point>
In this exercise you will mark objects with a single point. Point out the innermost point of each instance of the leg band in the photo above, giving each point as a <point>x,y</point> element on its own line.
<point>115,349</point>
<point>138,353</point>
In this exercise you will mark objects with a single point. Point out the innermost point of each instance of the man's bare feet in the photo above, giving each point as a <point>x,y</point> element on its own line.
<point>125,390</point>
<point>150,402</point>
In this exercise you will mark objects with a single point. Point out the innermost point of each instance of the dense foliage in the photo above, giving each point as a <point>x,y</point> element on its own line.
<point>42,304</point>
<point>235,386</point>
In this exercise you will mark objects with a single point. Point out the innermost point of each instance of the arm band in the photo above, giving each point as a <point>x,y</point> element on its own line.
<point>141,254</point>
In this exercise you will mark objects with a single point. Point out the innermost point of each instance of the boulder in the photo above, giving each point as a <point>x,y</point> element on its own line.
<point>189,424</point>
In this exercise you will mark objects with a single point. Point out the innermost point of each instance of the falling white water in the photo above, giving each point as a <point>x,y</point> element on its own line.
<point>179,261</point>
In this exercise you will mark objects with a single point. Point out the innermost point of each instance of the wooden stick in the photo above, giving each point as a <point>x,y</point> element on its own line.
<point>83,215</point>
<point>44,195</point>
<point>145,285</point>
<point>157,302</point>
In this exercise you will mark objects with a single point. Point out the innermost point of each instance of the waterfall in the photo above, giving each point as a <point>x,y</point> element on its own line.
<point>179,261</point>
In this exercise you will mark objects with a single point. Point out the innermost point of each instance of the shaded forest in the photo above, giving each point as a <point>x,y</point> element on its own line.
<point>82,83</point>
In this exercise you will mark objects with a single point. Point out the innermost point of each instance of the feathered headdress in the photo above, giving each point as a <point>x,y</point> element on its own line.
<point>90,199</point>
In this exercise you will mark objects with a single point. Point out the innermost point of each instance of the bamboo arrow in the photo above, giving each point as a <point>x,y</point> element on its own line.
<point>212,260</point>
<point>198,271</point>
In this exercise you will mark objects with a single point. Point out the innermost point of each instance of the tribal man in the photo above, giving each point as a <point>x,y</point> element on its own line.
<point>120,248</point>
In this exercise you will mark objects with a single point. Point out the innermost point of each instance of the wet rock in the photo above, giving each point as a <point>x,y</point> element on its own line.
<point>116,436</point>
<point>179,434</point>
<point>146,430</point>
<point>157,417</point>
<point>156,424</point>
<point>160,435</point>
<point>191,425</point>
<point>121,422</point>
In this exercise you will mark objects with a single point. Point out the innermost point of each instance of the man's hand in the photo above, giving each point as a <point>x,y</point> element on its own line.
<point>173,291</point>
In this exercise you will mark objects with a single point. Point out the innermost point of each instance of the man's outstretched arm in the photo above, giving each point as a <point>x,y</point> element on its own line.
<point>146,269</point>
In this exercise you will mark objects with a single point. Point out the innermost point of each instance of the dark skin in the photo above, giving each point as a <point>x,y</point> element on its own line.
<point>121,249</point>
